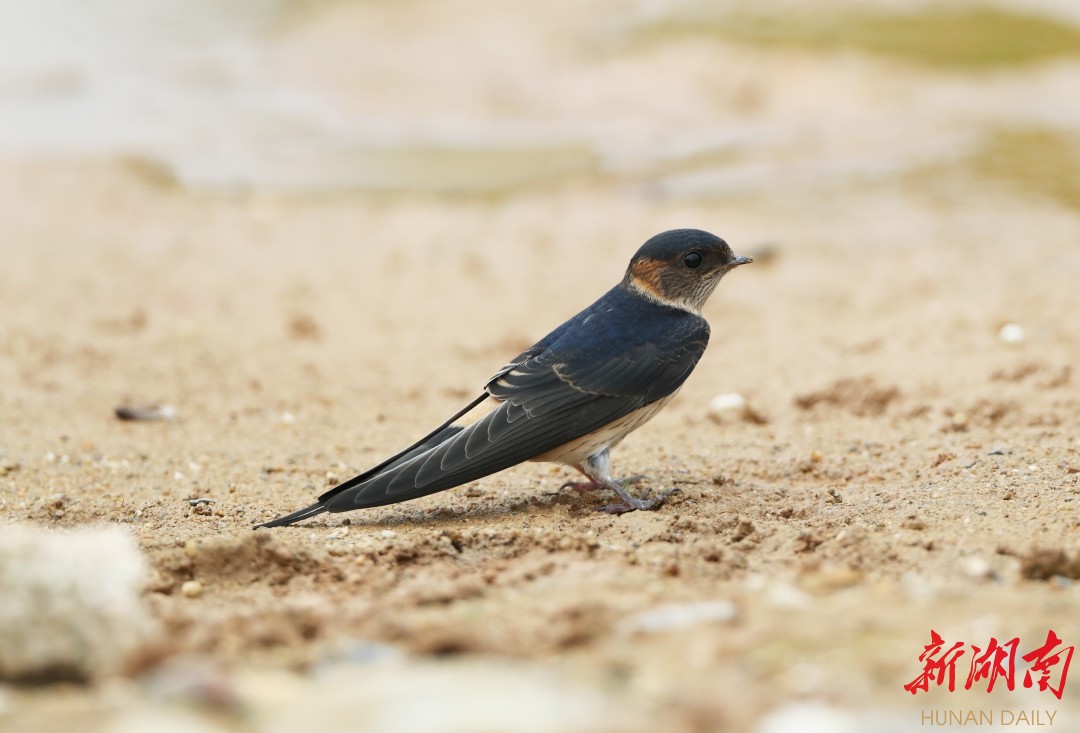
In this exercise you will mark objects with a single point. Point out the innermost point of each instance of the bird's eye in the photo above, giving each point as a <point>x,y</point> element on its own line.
<point>692,260</point>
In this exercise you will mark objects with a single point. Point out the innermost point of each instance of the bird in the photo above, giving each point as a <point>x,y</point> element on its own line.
<point>574,395</point>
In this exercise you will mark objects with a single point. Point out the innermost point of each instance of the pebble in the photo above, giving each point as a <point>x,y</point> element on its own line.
<point>977,568</point>
<point>1012,333</point>
<point>72,603</point>
<point>682,616</point>
<point>151,412</point>
<point>191,589</point>
<point>726,403</point>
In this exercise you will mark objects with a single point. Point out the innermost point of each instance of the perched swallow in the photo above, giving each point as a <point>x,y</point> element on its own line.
<point>573,396</point>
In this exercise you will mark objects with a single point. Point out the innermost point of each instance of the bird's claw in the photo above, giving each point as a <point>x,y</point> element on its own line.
<point>631,503</point>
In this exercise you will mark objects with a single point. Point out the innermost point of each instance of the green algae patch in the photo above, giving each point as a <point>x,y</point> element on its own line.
<point>1038,160</point>
<point>956,38</point>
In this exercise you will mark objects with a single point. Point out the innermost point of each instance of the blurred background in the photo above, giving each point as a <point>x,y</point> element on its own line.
<point>669,100</point>
<point>313,227</point>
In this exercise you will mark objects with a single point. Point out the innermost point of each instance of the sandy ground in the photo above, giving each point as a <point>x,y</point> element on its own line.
<point>901,468</point>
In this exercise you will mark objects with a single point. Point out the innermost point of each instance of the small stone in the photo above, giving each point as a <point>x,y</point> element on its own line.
<point>977,568</point>
<point>958,422</point>
<point>191,589</point>
<point>816,457</point>
<point>684,616</point>
<point>726,403</point>
<point>1012,333</point>
<point>147,413</point>
<point>734,406</point>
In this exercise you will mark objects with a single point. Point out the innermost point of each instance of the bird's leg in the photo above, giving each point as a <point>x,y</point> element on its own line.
<point>632,503</point>
<point>596,467</point>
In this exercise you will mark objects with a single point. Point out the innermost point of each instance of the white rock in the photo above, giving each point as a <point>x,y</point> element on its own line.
<point>726,403</point>
<point>682,616</point>
<point>71,603</point>
<point>977,568</point>
<point>1012,333</point>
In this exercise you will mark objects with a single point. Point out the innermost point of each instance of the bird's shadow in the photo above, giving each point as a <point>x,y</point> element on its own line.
<point>578,503</point>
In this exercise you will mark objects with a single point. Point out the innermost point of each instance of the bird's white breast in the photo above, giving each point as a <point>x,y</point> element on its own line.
<point>577,450</point>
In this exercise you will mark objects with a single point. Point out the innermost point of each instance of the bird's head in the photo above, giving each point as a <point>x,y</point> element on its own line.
<point>681,268</point>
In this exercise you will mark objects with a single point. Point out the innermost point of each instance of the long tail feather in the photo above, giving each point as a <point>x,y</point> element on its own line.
<point>441,433</point>
<point>311,511</point>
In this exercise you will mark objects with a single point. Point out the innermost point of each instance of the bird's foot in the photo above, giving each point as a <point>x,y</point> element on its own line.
<point>593,485</point>
<point>631,503</point>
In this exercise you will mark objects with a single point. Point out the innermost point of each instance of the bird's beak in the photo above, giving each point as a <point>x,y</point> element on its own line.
<point>740,261</point>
